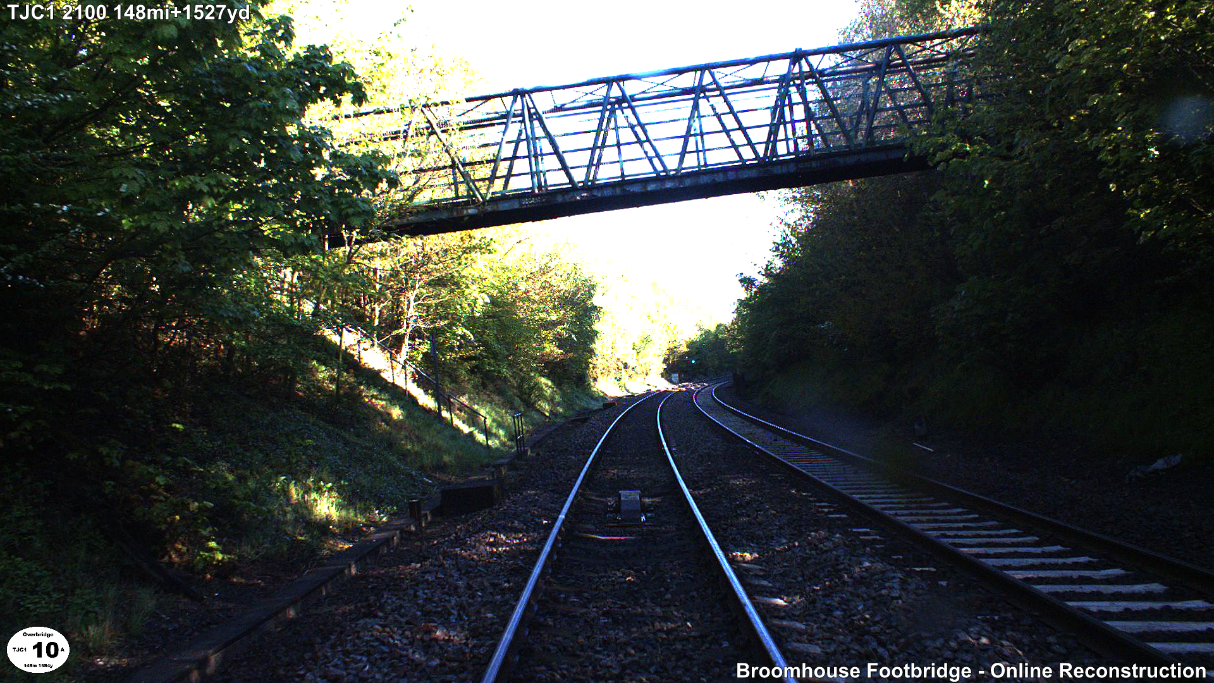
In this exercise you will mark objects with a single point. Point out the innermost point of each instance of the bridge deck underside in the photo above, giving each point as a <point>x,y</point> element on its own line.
<point>558,203</point>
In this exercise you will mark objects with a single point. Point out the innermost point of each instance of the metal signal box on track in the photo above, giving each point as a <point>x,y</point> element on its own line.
<point>630,507</point>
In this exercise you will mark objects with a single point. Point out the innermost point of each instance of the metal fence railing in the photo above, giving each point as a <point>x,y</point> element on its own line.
<point>520,435</point>
<point>443,401</point>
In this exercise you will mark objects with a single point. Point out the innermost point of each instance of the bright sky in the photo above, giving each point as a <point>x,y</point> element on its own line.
<point>696,249</point>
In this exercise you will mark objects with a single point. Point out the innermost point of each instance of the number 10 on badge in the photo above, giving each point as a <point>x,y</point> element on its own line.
<point>38,649</point>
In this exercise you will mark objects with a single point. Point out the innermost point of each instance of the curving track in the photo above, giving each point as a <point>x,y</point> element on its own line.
<point>1121,599</point>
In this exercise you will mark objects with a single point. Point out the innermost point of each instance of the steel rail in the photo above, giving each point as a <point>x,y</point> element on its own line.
<point>1182,572</point>
<point>754,623</point>
<point>518,617</point>
<point>1096,632</point>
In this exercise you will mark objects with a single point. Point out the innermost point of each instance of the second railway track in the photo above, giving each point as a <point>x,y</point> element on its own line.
<point>1118,598</point>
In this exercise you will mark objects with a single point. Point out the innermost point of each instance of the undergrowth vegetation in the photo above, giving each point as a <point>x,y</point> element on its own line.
<point>229,476</point>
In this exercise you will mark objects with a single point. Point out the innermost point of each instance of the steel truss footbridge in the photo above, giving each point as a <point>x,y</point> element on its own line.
<point>784,120</point>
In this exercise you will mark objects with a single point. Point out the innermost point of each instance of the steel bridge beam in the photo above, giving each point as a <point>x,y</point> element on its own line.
<point>629,194</point>
<point>785,120</point>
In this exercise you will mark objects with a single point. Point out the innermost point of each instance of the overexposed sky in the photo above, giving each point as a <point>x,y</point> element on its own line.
<point>693,249</point>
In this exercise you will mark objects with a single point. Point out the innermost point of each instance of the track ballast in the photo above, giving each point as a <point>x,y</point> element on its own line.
<point>1079,580</point>
<point>612,600</point>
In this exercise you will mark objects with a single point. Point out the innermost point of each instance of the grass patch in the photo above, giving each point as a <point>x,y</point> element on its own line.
<point>61,571</point>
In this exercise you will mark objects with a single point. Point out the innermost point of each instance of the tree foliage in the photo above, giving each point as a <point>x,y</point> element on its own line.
<point>1076,189</point>
<point>707,355</point>
<point>641,322</point>
<point>852,284</point>
<point>1053,274</point>
<point>500,308</point>
<point>161,192</point>
<point>145,166</point>
<point>185,216</point>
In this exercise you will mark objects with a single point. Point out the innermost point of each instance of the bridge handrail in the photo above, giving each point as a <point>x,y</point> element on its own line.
<point>603,80</point>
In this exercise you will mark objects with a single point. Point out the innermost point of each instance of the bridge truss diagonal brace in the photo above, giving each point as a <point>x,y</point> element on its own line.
<point>777,117</point>
<point>644,133</point>
<point>693,120</point>
<point>910,68</point>
<point>736,118</point>
<point>455,159</point>
<point>867,111</point>
<point>538,115</point>
<point>501,145</point>
<point>811,120</point>
<point>834,108</point>
<point>602,134</point>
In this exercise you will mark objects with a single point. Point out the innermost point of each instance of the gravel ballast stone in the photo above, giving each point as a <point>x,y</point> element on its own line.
<point>848,594</point>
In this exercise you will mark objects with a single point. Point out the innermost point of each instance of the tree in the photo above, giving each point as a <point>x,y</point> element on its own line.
<point>144,168</point>
<point>1070,191</point>
<point>851,285</point>
<point>1056,272</point>
<point>539,317</point>
<point>706,355</point>
<point>886,18</point>
<point>401,78</point>
<point>413,281</point>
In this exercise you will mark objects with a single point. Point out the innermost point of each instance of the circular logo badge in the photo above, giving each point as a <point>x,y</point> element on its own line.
<point>37,649</point>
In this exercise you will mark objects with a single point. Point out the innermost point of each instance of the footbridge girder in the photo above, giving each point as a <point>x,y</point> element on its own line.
<point>785,120</point>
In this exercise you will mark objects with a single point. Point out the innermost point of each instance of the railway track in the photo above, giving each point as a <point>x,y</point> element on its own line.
<point>1122,600</point>
<point>613,597</point>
